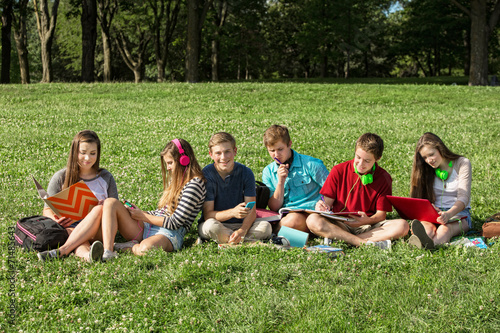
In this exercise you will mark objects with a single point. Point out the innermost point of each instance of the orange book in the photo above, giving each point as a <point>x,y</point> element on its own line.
<point>74,202</point>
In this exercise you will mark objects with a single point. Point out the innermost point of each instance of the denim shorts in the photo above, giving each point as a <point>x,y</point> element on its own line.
<point>75,224</point>
<point>465,212</point>
<point>176,237</point>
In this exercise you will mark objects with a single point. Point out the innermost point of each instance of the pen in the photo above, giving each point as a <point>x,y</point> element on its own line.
<point>323,199</point>
<point>277,160</point>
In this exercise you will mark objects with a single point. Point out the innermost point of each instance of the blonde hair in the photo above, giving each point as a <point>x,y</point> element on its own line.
<point>173,183</point>
<point>276,133</point>
<point>72,175</point>
<point>219,138</point>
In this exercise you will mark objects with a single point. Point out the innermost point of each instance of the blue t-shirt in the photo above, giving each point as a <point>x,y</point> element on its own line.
<point>228,193</point>
<point>305,178</point>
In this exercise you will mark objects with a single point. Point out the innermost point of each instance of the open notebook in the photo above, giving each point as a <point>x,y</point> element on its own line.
<point>74,202</point>
<point>419,209</point>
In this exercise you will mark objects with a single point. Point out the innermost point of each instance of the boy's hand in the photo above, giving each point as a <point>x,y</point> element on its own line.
<point>360,220</point>
<point>240,212</point>
<point>237,237</point>
<point>282,173</point>
<point>321,206</point>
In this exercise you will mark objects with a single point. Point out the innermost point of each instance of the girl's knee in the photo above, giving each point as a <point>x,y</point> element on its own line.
<point>111,202</point>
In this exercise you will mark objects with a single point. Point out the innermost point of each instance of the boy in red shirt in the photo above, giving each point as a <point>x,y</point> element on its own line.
<point>359,185</point>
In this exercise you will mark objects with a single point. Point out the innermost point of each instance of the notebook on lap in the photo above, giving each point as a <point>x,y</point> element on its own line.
<point>420,209</point>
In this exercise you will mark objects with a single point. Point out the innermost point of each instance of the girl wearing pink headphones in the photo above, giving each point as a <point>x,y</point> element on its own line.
<point>444,178</point>
<point>183,196</point>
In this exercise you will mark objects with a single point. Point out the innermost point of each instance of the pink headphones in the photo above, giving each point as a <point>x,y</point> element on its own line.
<point>184,160</point>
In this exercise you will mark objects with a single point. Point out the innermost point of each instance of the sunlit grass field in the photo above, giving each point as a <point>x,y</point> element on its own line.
<point>247,289</point>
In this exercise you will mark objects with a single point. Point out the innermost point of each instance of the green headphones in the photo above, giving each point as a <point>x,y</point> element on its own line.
<point>365,179</point>
<point>443,174</point>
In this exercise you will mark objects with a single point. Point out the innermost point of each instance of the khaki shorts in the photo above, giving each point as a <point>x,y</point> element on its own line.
<point>359,230</point>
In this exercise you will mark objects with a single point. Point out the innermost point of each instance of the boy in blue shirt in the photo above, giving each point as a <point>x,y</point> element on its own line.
<point>230,185</point>
<point>294,179</point>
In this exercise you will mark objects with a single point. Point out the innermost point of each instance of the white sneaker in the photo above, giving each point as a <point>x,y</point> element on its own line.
<point>124,246</point>
<point>384,245</point>
<point>109,255</point>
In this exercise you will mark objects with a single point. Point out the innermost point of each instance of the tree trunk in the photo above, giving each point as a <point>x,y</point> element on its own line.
<point>193,42</point>
<point>480,30</point>
<point>107,10</point>
<point>21,38</point>
<point>106,50</point>
<point>46,26</point>
<point>215,58</point>
<point>46,51</point>
<point>479,44</point>
<point>6,41</point>
<point>196,17</point>
<point>89,38</point>
<point>467,53</point>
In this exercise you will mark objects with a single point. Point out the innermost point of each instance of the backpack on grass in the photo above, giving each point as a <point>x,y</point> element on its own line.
<point>39,233</point>
<point>263,194</point>
<point>492,226</point>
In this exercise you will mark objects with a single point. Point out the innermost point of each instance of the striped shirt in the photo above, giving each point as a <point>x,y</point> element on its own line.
<point>191,200</point>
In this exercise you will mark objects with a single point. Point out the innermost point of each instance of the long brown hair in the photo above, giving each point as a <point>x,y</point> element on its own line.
<point>174,182</point>
<point>422,174</point>
<point>72,168</point>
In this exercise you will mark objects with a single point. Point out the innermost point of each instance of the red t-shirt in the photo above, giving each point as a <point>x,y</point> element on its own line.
<point>365,198</point>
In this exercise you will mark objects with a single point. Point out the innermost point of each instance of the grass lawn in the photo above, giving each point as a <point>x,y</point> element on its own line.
<point>259,288</point>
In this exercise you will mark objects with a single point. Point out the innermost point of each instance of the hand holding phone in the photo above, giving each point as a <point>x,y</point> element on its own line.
<point>128,204</point>
<point>250,204</point>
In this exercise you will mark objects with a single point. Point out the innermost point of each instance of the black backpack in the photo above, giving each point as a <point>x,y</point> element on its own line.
<point>263,194</point>
<point>39,233</point>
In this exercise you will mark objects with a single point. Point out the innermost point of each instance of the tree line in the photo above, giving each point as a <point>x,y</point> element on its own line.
<point>212,40</point>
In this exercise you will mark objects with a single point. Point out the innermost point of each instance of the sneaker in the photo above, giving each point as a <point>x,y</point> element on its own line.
<point>48,255</point>
<point>383,245</point>
<point>96,251</point>
<point>125,246</point>
<point>418,230</point>
<point>413,240</point>
<point>109,255</point>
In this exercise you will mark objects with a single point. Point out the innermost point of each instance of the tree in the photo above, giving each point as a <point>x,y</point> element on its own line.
<point>19,17</point>
<point>46,26</point>
<point>133,36</point>
<point>107,11</point>
<point>431,34</point>
<point>89,38</point>
<point>165,14</point>
<point>220,10</point>
<point>197,11</point>
<point>482,27</point>
<point>6,40</point>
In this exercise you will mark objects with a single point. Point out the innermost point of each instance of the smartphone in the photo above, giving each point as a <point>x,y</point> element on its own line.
<point>250,204</point>
<point>128,204</point>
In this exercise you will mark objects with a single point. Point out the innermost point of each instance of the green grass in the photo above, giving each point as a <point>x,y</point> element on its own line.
<point>249,289</point>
